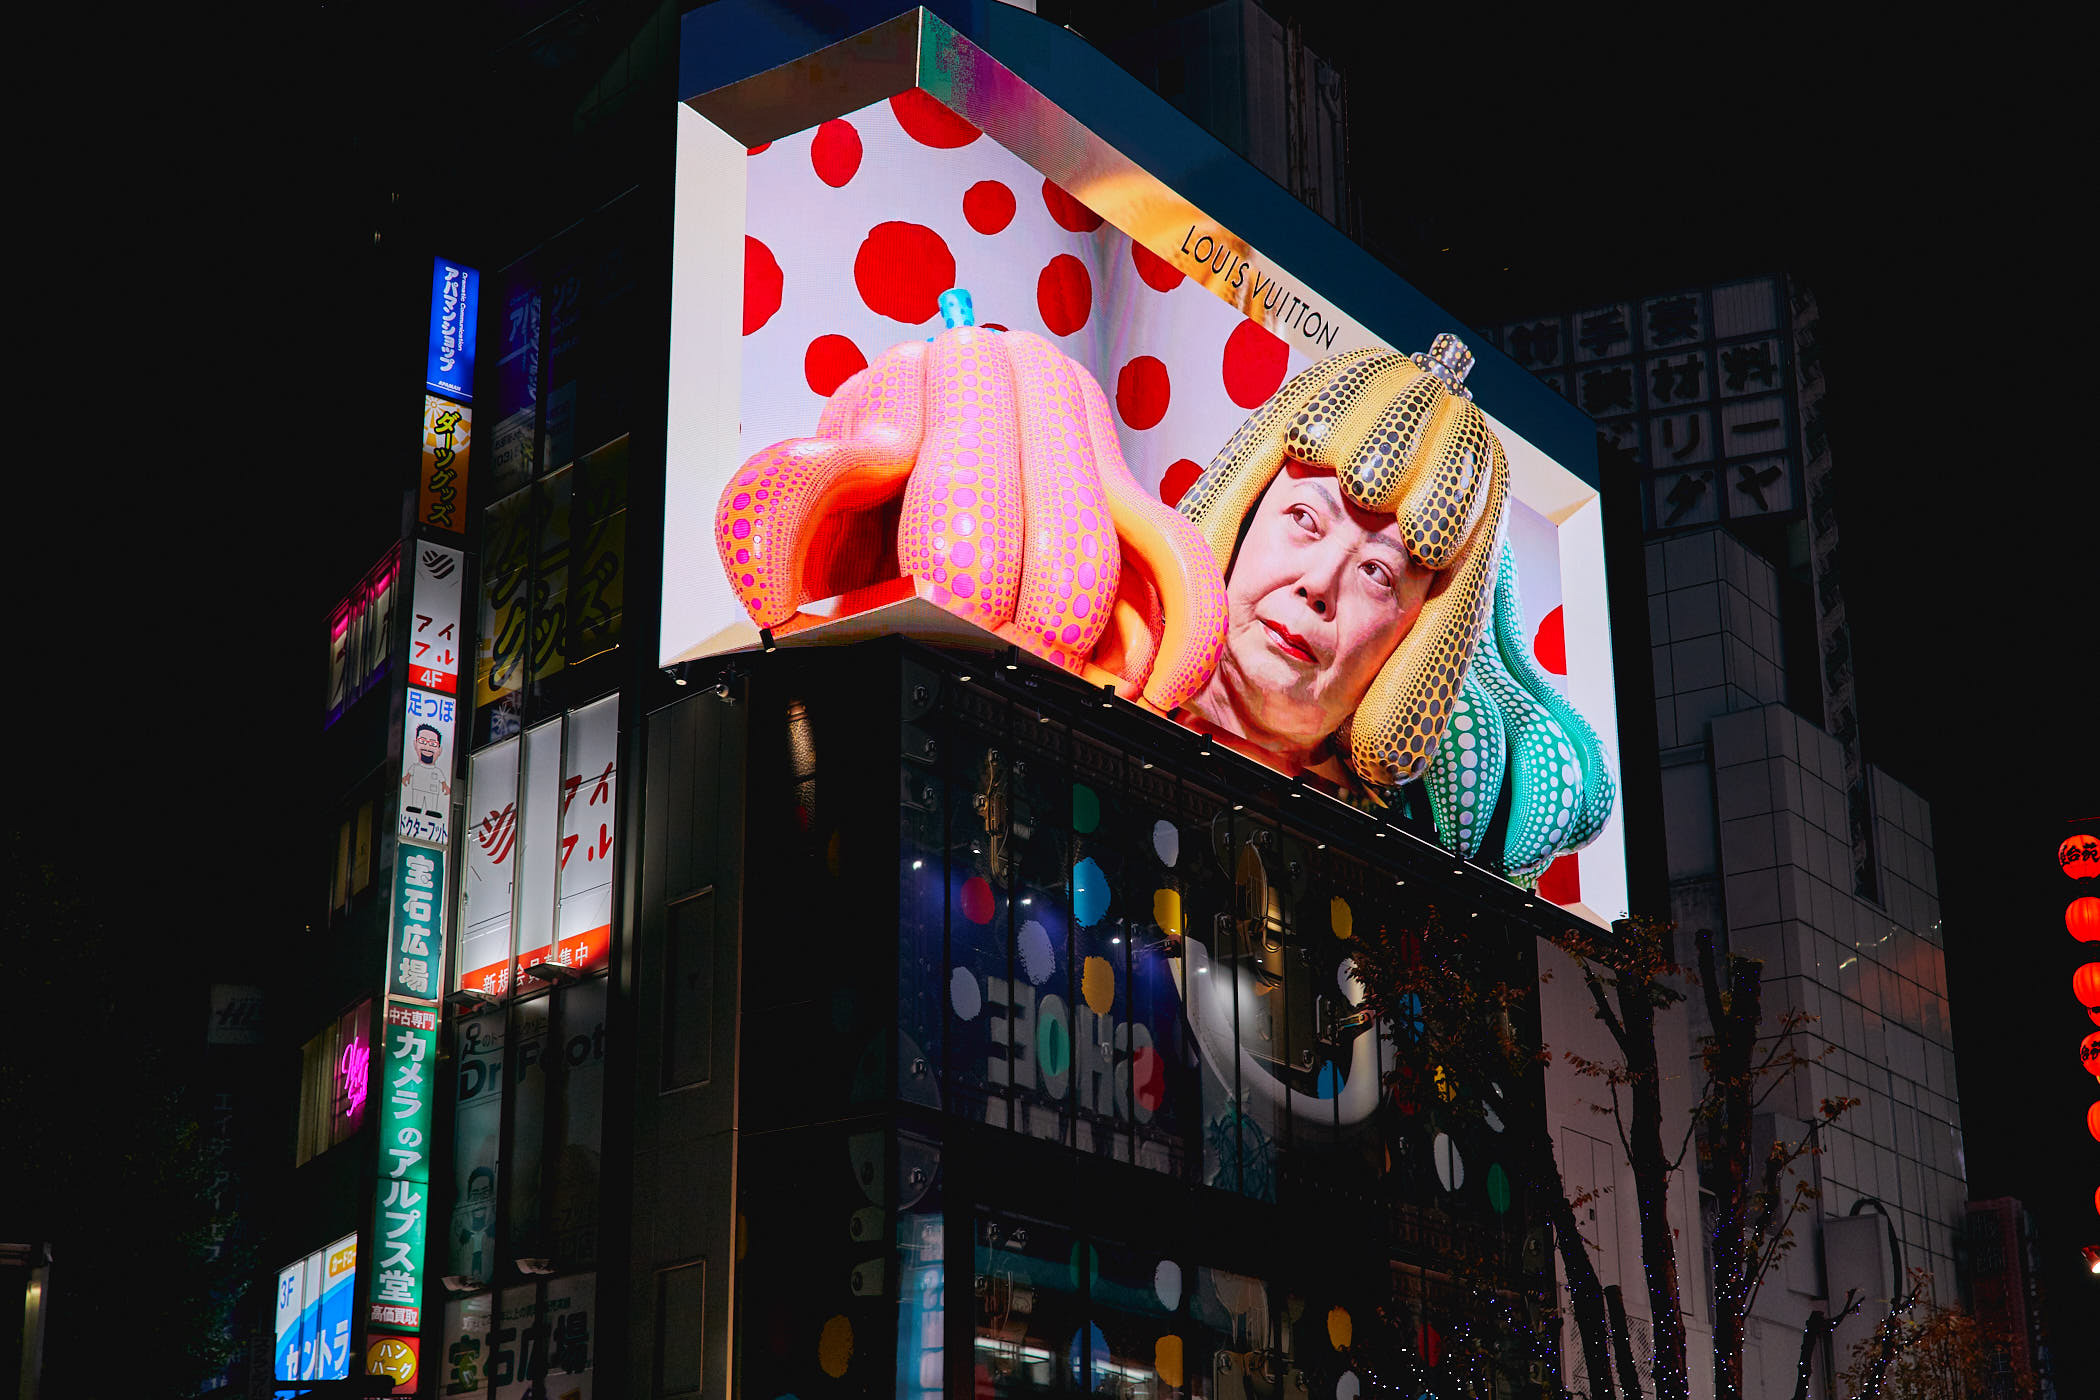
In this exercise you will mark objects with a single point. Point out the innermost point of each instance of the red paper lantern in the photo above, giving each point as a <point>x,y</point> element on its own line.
<point>2080,856</point>
<point>2085,985</point>
<point>2089,1053</point>
<point>2092,1120</point>
<point>2082,918</point>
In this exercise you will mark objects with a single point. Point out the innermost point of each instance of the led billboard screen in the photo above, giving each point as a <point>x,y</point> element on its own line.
<point>993,384</point>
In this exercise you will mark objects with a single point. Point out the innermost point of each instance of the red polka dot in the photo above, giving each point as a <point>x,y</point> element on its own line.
<point>1159,274</point>
<point>989,206</point>
<point>830,361</point>
<point>1179,478</point>
<point>1142,392</point>
<point>762,284</point>
<point>1064,294</point>
<point>1550,646</point>
<point>926,121</point>
<point>1562,882</point>
<point>977,900</point>
<point>835,153</point>
<point>759,147</point>
<point>1254,364</point>
<point>1069,212</point>
<point>901,271</point>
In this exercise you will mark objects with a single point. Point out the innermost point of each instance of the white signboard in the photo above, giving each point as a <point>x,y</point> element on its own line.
<point>433,633</point>
<point>426,768</point>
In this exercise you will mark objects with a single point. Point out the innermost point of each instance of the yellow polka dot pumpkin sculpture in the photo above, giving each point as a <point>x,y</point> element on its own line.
<point>984,466</point>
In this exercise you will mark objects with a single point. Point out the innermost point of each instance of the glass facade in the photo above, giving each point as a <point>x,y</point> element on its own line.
<point>1132,1136</point>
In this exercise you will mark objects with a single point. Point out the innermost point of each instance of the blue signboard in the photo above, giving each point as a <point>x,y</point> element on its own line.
<point>455,302</point>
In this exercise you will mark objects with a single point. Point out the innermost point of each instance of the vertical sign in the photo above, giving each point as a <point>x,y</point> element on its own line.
<point>426,768</point>
<point>407,1091</point>
<point>433,634</point>
<point>313,1314</point>
<point>455,304</point>
<point>485,889</point>
<point>441,486</point>
<point>415,963</point>
<point>583,923</point>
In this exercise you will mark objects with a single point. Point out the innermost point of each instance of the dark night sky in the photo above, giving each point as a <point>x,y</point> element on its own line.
<point>208,415</point>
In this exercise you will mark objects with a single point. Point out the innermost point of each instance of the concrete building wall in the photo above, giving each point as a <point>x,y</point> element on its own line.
<point>1760,846</point>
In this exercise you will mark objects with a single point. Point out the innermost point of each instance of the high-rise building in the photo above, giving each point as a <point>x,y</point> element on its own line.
<point>784,936</point>
<point>1780,836</point>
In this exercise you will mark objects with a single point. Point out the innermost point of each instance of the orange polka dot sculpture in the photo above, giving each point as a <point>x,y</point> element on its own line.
<point>987,460</point>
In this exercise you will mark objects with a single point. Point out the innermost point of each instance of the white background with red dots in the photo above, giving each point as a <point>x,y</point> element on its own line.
<point>863,223</point>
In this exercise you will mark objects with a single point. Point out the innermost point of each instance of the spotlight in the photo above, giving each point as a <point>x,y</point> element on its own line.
<point>676,673</point>
<point>1108,696</point>
<point>1239,806</point>
<point>964,678</point>
<point>765,639</point>
<point>1013,658</point>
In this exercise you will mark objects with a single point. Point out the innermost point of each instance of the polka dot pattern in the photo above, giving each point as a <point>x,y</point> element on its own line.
<point>1064,294</point>
<point>961,529</point>
<point>1550,643</point>
<point>1325,417</point>
<point>901,270</point>
<point>769,511</point>
<point>1512,722</point>
<point>1255,363</point>
<point>929,121</point>
<point>830,361</point>
<point>988,206</point>
<point>1072,562</point>
<point>1142,392</point>
<point>835,153</point>
<point>1155,271</point>
<point>1466,777</point>
<point>1179,477</point>
<point>1069,213</point>
<point>763,283</point>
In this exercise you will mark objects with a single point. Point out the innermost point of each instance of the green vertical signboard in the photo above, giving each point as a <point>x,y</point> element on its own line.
<point>406,1093</point>
<point>415,958</point>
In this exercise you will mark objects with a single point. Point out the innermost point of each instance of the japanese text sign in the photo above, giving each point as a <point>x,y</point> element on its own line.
<point>426,768</point>
<point>406,1093</point>
<point>313,1314</point>
<point>433,633</point>
<point>416,955</point>
<point>441,487</point>
<point>455,304</point>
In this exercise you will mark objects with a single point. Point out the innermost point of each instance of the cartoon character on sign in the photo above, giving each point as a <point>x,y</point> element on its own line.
<point>1319,601</point>
<point>427,779</point>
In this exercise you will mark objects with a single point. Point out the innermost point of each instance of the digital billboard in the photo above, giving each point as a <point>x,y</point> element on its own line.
<point>993,384</point>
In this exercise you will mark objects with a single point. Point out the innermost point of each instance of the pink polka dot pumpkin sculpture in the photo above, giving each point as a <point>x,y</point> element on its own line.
<point>983,466</point>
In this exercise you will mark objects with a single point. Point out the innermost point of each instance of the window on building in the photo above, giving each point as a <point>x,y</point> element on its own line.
<point>334,1083</point>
